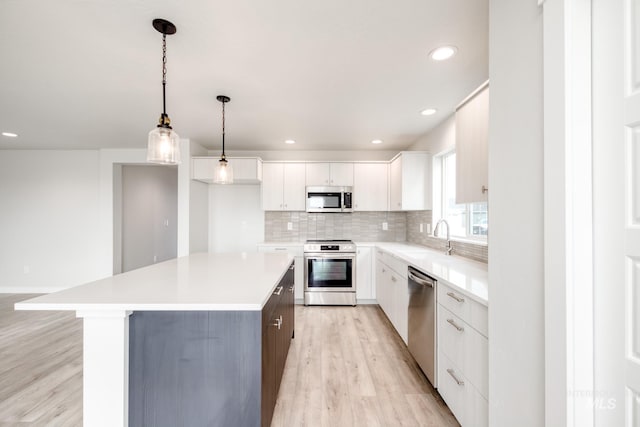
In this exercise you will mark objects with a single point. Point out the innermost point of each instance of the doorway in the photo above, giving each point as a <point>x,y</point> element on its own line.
<point>145,215</point>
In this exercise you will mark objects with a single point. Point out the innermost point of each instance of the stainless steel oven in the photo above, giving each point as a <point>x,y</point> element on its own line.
<point>329,272</point>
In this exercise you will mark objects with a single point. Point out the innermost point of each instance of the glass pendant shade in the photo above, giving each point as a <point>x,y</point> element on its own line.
<point>223,173</point>
<point>163,147</point>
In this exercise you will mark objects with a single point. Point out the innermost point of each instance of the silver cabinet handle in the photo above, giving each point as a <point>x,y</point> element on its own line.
<point>291,267</point>
<point>291,289</point>
<point>278,290</point>
<point>453,375</point>
<point>278,323</point>
<point>455,325</point>
<point>393,279</point>
<point>484,189</point>
<point>384,271</point>
<point>455,297</point>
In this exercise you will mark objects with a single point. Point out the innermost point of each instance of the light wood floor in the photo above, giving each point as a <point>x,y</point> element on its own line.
<point>40,366</point>
<point>346,367</point>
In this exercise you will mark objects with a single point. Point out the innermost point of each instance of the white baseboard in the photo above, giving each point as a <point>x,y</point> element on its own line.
<point>28,290</point>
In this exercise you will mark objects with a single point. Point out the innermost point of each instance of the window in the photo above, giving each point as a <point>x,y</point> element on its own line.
<point>468,220</point>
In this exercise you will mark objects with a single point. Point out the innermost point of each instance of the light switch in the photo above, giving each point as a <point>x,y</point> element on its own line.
<point>289,226</point>
<point>421,227</point>
<point>385,226</point>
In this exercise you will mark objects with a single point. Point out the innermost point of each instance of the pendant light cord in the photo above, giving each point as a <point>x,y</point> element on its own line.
<point>223,156</point>
<point>164,73</point>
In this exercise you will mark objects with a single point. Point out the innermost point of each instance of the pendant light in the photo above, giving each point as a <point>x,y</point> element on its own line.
<point>224,171</point>
<point>164,143</point>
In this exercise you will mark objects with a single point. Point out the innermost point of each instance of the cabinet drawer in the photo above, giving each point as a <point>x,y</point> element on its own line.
<point>393,262</point>
<point>470,311</point>
<point>454,301</point>
<point>453,393</point>
<point>453,333</point>
<point>466,348</point>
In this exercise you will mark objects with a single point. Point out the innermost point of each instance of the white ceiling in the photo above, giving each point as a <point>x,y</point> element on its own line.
<point>331,74</point>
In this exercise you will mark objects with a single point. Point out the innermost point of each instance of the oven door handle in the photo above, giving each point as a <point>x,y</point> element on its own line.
<point>330,256</point>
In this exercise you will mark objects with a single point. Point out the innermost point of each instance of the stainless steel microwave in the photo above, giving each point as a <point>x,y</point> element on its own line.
<point>329,199</point>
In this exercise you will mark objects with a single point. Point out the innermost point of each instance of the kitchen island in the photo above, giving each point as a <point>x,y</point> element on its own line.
<point>198,340</point>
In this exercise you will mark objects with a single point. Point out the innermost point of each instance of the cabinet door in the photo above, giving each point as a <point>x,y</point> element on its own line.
<point>364,284</point>
<point>472,135</point>
<point>371,187</point>
<point>382,287</point>
<point>341,174</point>
<point>318,174</point>
<point>269,360</point>
<point>395,184</point>
<point>416,181</point>
<point>272,186</point>
<point>294,187</point>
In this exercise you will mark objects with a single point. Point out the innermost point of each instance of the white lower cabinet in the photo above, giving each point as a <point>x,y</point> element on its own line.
<point>463,356</point>
<point>365,287</point>
<point>392,290</point>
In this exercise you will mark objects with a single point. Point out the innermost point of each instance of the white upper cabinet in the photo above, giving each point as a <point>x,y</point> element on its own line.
<point>283,186</point>
<point>410,181</point>
<point>340,174</point>
<point>246,170</point>
<point>472,136</point>
<point>371,187</point>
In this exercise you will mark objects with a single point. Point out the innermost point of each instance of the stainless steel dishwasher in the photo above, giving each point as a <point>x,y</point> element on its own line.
<point>422,322</point>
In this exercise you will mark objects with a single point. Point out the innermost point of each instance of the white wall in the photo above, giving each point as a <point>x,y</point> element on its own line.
<point>440,139</point>
<point>516,293</point>
<point>198,207</point>
<point>49,237</point>
<point>236,218</point>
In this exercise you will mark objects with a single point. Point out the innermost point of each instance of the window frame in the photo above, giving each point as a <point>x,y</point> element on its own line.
<point>439,202</point>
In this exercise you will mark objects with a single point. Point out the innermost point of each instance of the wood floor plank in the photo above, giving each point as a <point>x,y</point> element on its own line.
<point>346,367</point>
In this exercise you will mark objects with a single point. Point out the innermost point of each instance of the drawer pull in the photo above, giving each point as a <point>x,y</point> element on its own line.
<point>455,297</point>
<point>278,290</point>
<point>278,323</point>
<point>453,375</point>
<point>291,289</point>
<point>455,325</point>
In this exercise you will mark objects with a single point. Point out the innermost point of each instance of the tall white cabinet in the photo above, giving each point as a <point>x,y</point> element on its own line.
<point>472,138</point>
<point>283,186</point>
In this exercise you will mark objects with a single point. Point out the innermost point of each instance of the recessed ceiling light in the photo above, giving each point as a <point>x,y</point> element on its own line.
<point>428,112</point>
<point>376,141</point>
<point>442,53</point>
<point>10,134</point>
<point>289,141</point>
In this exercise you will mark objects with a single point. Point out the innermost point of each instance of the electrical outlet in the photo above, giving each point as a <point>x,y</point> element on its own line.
<point>428,228</point>
<point>155,258</point>
<point>421,228</point>
<point>289,226</point>
<point>385,226</point>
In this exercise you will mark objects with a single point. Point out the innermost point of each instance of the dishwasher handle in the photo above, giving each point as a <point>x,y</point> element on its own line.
<point>424,281</point>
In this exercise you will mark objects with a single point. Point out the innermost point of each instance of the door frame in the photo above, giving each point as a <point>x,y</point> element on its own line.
<point>568,219</point>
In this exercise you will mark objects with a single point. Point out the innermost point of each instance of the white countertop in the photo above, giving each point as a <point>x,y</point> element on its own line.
<point>203,281</point>
<point>467,276</point>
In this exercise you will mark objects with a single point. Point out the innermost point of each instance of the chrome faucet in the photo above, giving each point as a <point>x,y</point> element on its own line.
<point>435,234</point>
